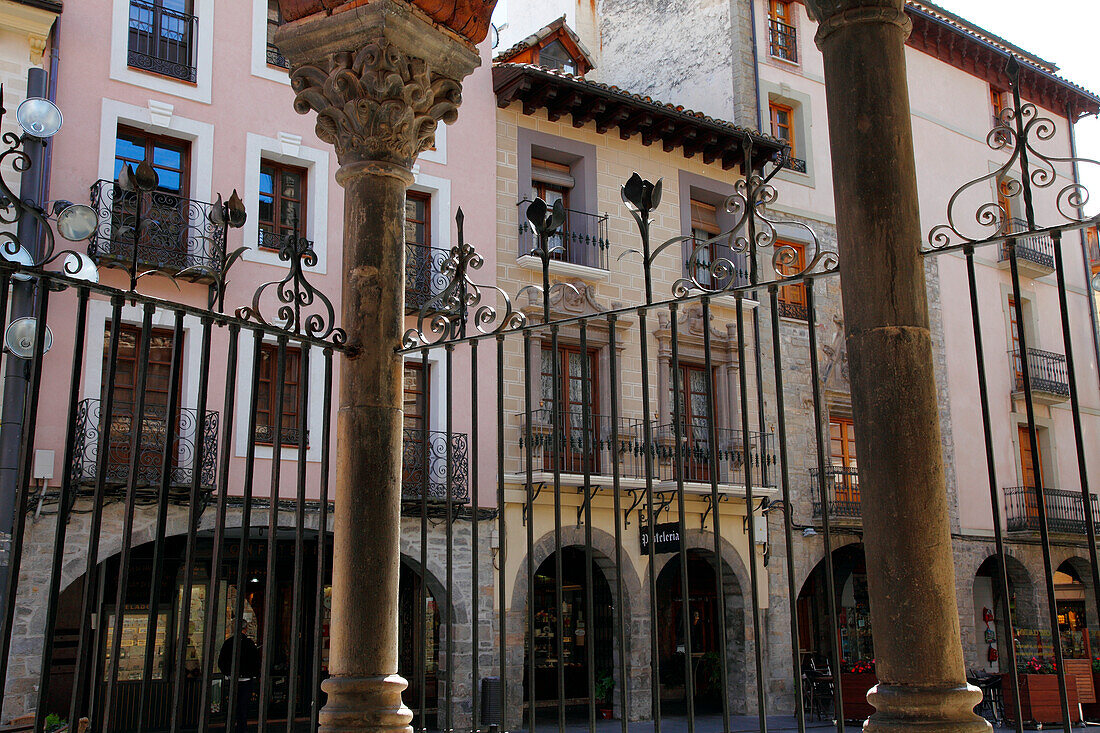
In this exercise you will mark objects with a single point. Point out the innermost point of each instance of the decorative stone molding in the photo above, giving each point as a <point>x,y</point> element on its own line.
<point>468,18</point>
<point>376,105</point>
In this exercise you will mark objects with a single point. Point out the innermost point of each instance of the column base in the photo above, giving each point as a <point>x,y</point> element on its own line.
<point>357,704</point>
<point>945,709</point>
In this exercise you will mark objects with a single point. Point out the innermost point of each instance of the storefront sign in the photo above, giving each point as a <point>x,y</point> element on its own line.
<point>666,538</point>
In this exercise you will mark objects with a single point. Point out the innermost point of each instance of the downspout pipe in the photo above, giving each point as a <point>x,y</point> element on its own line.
<point>51,94</point>
<point>755,65</point>
<point>1089,293</point>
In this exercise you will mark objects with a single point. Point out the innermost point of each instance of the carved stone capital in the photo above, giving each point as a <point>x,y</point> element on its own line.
<point>379,79</point>
<point>832,15</point>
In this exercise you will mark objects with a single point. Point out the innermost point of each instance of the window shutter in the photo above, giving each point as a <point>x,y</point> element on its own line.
<point>556,174</point>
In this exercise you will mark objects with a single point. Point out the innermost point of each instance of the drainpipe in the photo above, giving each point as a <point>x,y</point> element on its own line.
<point>755,65</point>
<point>1091,295</point>
<point>51,94</point>
<point>16,370</point>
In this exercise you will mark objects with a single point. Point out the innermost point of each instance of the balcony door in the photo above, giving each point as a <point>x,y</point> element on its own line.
<point>164,213</point>
<point>696,435</point>
<point>161,37</point>
<point>571,380</point>
<point>415,407</point>
<point>552,182</point>
<point>158,426</point>
<point>842,458</point>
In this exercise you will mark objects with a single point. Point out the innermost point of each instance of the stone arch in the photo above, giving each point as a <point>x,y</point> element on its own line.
<point>1023,589</point>
<point>740,636</point>
<point>636,620</point>
<point>1077,562</point>
<point>814,556</point>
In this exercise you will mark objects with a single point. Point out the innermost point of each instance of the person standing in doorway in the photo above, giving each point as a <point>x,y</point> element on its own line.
<point>247,673</point>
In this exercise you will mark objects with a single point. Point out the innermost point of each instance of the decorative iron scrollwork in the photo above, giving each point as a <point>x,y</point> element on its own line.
<point>297,296</point>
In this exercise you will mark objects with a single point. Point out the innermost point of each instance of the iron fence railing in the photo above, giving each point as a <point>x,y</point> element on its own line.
<point>1064,509</point>
<point>424,278</point>
<point>427,462</point>
<point>161,40</point>
<point>176,233</point>
<point>582,239</point>
<point>1048,372</point>
<point>700,457</point>
<point>697,264</point>
<point>841,492</point>
<point>182,431</point>
<point>1037,249</point>
<point>783,41</point>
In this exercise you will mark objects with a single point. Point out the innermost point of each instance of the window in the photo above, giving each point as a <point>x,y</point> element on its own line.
<point>693,408</point>
<point>166,244</point>
<point>554,56</point>
<point>782,117</point>
<point>274,20</point>
<point>161,38</point>
<point>422,265</point>
<point>1027,465</point>
<point>416,397</point>
<point>705,226</point>
<point>842,461</point>
<point>782,39</point>
<point>552,182</point>
<point>268,395</point>
<point>282,199</point>
<point>792,298</point>
<point>156,425</point>
<point>571,414</point>
<point>997,98</point>
<point>418,212</point>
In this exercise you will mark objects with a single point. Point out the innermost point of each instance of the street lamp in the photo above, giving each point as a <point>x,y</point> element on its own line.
<point>39,117</point>
<point>19,337</point>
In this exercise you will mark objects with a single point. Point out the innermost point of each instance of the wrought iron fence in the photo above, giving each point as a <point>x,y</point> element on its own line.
<point>1064,510</point>
<point>582,240</point>
<point>702,255</point>
<point>424,276</point>
<point>1048,371</point>
<point>172,233</point>
<point>430,467</point>
<point>783,40</point>
<point>174,436</point>
<point>162,40</point>
<point>840,489</point>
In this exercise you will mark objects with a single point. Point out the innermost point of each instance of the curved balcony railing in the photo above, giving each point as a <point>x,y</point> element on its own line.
<point>1038,250</point>
<point>182,434</point>
<point>424,465</point>
<point>176,233</point>
<point>1064,510</point>
<point>583,239</point>
<point>1048,372</point>
<point>783,41</point>
<point>424,278</point>
<point>841,492</point>
<point>161,40</point>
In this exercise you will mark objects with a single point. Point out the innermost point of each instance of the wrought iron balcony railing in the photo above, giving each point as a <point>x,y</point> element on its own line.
<point>728,456</point>
<point>267,239</point>
<point>1038,250</point>
<point>783,41</point>
<point>798,165</point>
<point>1048,372</point>
<point>290,435</point>
<point>182,434</point>
<point>572,456</point>
<point>424,278</point>
<point>793,310</point>
<point>275,57</point>
<point>701,263</point>
<point>841,492</point>
<point>173,233</point>
<point>161,40</point>
<point>1064,510</point>
<point>424,465</point>
<point>582,240</point>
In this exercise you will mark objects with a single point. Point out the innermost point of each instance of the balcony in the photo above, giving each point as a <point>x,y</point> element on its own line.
<point>424,278</point>
<point>161,40</point>
<point>1049,376</point>
<point>581,241</point>
<point>797,311</point>
<point>1034,254</point>
<point>798,165</point>
<point>1064,510</point>
<point>424,465</point>
<point>275,57</point>
<point>156,431</point>
<point>176,233</point>
<point>267,239</point>
<point>628,451</point>
<point>841,494</point>
<point>783,41</point>
<point>713,252</point>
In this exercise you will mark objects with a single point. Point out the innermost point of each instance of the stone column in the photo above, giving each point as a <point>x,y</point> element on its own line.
<point>922,680</point>
<point>380,75</point>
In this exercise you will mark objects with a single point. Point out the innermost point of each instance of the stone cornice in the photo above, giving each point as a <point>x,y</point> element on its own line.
<point>21,18</point>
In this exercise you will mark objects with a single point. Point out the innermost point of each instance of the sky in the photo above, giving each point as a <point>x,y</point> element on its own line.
<point>1063,32</point>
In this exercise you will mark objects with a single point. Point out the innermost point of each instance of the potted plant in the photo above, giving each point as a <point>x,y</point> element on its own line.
<point>1040,700</point>
<point>856,678</point>
<point>605,686</point>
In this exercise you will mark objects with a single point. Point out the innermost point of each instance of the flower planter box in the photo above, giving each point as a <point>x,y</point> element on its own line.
<point>853,694</point>
<point>1039,698</point>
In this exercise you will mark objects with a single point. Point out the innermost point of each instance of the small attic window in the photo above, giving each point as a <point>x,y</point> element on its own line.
<point>554,56</point>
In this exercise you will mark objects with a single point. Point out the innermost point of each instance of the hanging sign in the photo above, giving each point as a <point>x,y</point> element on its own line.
<point>666,538</point>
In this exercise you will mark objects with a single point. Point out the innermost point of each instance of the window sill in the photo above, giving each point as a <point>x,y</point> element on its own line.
<point>166,77</point>
<point>782,60</point>
<point>568,269</point>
